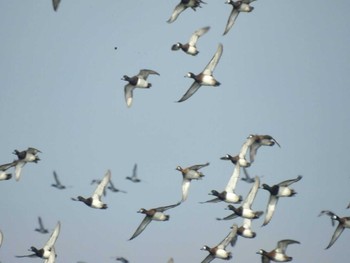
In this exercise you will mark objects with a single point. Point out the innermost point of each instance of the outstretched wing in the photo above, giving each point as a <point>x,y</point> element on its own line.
<point>55,4</point>
<point>291,181</point>
<point>252,193</point>
<point>144,73</point>
<point>214,61</point>
<point>270,209</point>
<point>231,20</point>
<point>142,226</point>
<point>51,242</point>
<point>227,240</point>
<point>177,11</point>
<point>198,166</point>
<point>197,34</point>
<point>282,245</point>
<point>231,185</point>
<point>102,185</point>
<point>164,208</point>
<point>336,234</point>
<point>192,90</point>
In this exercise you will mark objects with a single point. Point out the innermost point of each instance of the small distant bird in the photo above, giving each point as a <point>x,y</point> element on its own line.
<point>26,156</point>
<point>189,174</point>
<point>171,260</point>
<point>279,253</point>
<point>256,141</point>
<point>123,260</point>
<point>58,184</point>
<point>138,81</point>
<point>348,206</point>
<point>220,251</point>
<point>95,200</point>
<point>134,177</point>
<point>244,230</point>
<point>3,169</point>
<point>182,6</point>
<point>115,48</point>
<point>190,47</point>
<point>343,222</point>
<point>237,7</point>
<point>205,78</point>
<point>245,210</point>
<point>1,238</point>
<point>152,214</point>
<point>276,191</point>
<point>113,189</point>
<point>41,228</point>
<point>228,195</point>
<point>55,4</point>
<point>45,252</point>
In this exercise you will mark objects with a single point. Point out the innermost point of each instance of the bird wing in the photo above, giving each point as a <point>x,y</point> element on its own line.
<point>291,181</point>
<point>208,258</point>
<point>336,234</point>
<point>164,208</point>
<point>197,34</point>
<point>192,90</point>
<point>51,242</point>
<point>6,166</point>
<point>282,245</point>
<point>40,223</point>
<point>197,166</point>
<point>227,240</point>
<point>270,209</point>
<point>1,238</point>
<point>185,188</point>
<point>102,185</point>
<point>231,20</point>
<point>231,185</point>
<point>142,226</point>
<point>179,8</point>
<point>253,150</point>
<point>144,73</point>
<point>128,93</point>
<point>265,259</point>
<point>18,169</point>
<point>134,171</point>
<point>215,200</point>
<point>252,193</point>
<point>56,178</point>
<point>329,213</point>
<point>55,4</point>
<point>214,61</point>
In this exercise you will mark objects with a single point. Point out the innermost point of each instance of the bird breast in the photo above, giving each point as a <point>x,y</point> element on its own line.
<point>159,216</point>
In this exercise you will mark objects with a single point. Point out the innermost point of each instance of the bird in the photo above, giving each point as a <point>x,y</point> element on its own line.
<point>171,260</point>
<point>121,259</point>
<point>113,189</point>
<point>281,189</point>
<point>343,222</point>
<point>205,78</point>
<point>220,251</point>
<point>259,140</point>
<point>1,238</point>
<point>57,183</point>
<point>190,47</point>
<point>137,81</point>
<point>152,214</point>
<point>4,168</point>
<point>245,210</point>
<point>95,200</point>
<point>279,253</point>
<point>240,158</point>
<point>55,4</point>
<point>41,228</point>
<point>244,230</point>
<point>188,174</point>
<point>182,6</point>
<point>228,195</point>
<point>45,252</point>
<point>26,156</point>
<point>133,178</point>
<point>237,7</point>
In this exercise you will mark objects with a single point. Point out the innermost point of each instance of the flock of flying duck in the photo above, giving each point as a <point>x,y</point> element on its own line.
<point>228,194</point>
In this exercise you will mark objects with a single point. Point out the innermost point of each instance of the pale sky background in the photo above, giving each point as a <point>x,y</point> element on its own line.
<point>284,71</point>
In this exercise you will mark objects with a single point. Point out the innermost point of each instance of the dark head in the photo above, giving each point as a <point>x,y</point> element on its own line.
<point>176,46</point>
<point>190,75</point>
<point>231,207</point>
<point>205,248</point>
<point>104,206</point>
<point>125,77</point>
<point>226,157</point>
<point>261,252</point>
<point>179,168</point>
<point>142,211</point>
<point>214,192</point>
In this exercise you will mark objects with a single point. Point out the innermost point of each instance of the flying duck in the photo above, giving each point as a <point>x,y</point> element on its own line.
<point>26,156</point>
<point>57,183</point>
<point>138,81</point>
<point>95,200</point>
<point>343,222</point>
<point>182,6</point>
<point>245,210</point>
<point>276,191</point>
<point>190,47</point>
<point>4,168</point>
<point>113,189</point>
<point>121,259</point>
<point>205,78</point>
<point>237,7</point>
<point>189,174</point>
<point>220,251</point>
<point>133,178</point>
<point>279,253</point>
<point>41,228</point>
<point>259,140</point>
<point>244,230</point>
<point>228,195</point>
<point>45,252</point>
<point>152,214</point>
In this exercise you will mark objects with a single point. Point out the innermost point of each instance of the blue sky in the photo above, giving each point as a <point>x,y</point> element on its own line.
<point>284,72</point>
